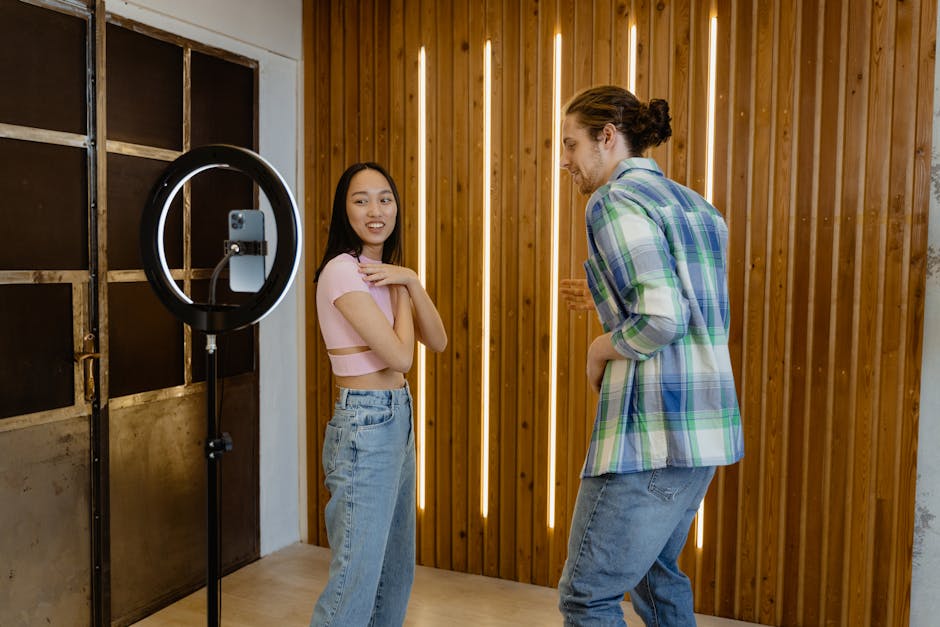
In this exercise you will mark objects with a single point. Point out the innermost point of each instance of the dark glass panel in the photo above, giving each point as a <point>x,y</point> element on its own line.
<point>236,349</point>
<point>44,206</point>
<point>43,60</point>
<point>223,102</point>
<point>36,349</point>
<point>145,89</point>
<point>214,193</point>
<point>129,182</point>
<point>146,341</point>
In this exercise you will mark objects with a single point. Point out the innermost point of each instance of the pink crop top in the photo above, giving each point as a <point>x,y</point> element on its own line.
<point>340,276</point>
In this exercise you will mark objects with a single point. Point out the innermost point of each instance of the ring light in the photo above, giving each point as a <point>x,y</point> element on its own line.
<point>221,318</point>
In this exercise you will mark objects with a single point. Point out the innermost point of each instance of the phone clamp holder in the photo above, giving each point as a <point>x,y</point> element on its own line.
<point>237,248</point>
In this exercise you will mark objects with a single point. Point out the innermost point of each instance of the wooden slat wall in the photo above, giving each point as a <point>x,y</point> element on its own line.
<point>822,171</point>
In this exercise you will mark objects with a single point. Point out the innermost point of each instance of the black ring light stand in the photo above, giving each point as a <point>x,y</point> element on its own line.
<point>214,319</point>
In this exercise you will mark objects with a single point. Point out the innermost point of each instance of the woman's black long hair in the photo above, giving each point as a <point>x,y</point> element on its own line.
<point>342,237</point>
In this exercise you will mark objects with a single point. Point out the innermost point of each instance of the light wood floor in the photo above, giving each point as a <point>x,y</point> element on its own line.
<point>281,589</point>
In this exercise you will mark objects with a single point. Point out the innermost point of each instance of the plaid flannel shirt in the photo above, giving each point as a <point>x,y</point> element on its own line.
<point>657,255</point>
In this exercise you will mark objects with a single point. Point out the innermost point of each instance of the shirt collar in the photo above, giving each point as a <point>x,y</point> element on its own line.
<point>630,163</point>
<point>635,163</point>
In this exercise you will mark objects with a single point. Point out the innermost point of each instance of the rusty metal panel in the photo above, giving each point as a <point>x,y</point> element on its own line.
<point>158,490</point>
<point>44,525</point>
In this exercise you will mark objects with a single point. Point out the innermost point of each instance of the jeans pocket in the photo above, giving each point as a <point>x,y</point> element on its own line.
<point>333,438</point>
<point>667,483</point>
<point>331,443</point>
<point>368,418</point>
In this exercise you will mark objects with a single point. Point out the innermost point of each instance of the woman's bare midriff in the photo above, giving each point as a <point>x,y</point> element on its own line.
<point>387,379</point>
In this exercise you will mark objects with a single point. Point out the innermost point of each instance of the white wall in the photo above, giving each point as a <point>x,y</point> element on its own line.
<point>925,602</point>
<point>269,31</point>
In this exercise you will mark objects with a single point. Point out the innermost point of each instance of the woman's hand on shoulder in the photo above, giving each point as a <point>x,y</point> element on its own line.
<point>380,274</point>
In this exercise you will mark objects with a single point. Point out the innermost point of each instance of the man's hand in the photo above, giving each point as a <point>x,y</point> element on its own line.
<point>576,294</point>
<point>597,362</point>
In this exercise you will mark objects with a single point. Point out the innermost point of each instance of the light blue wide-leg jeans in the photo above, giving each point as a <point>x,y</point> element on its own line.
<point>369,461</point>
<point>626,535</point>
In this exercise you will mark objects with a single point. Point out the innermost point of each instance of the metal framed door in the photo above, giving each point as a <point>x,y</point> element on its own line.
<point>50,415</point>
<point>102,393</point>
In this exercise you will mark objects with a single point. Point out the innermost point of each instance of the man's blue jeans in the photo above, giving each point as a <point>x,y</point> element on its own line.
<point>626,535</point>
<point>369,461</point>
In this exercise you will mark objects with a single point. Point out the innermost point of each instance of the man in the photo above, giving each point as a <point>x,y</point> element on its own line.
<point>667,412</point>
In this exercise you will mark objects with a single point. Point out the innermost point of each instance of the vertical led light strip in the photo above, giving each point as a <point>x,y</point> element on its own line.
<point>710,124</point>
<point>631,74</point>
<point>487,186</point>
<point>422,259</point>
<point>553,347</point>
<point>709,189</point>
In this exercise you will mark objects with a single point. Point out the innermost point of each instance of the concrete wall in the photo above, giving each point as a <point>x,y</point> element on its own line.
<point>270,32</point>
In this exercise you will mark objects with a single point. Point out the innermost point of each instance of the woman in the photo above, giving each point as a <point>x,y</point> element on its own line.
<point>371,311</point>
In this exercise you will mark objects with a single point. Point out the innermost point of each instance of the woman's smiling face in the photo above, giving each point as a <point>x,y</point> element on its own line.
<point>371,208</point>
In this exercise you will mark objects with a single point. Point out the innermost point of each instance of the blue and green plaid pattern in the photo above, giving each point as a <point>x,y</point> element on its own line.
<point>657,254</point>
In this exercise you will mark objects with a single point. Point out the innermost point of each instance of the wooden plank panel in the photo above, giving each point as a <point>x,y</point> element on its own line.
<point>661,69</point>
<point>351,130</point>
<point>572,325</point>
<point>696,93</point>
<point>681,104</point>
<point>678,96</point>
<point>470,168</point>
<point>757,236</point>
<point>896,239</point>
<point>383,62</point>
<point>719,507</point>
<point>602,12</point>
<point>869,281</point>
<point>804,291</point>
<point>915,306</point>
<point>362,28</point>
<point>854,176</point>
<point>310,487</point>
<point>777,332</point>
<point>541,29</point>
<point>462,403</point>
<point>699,561</point>
<point>526,406</point>
<point>442,264</point>
<point>832,448</point>
<point>509,280</point>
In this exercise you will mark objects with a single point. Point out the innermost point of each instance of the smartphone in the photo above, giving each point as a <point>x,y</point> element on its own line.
<point>246,272</point>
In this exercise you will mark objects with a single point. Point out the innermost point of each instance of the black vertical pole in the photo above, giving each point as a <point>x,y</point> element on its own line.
<point>213,457</point>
